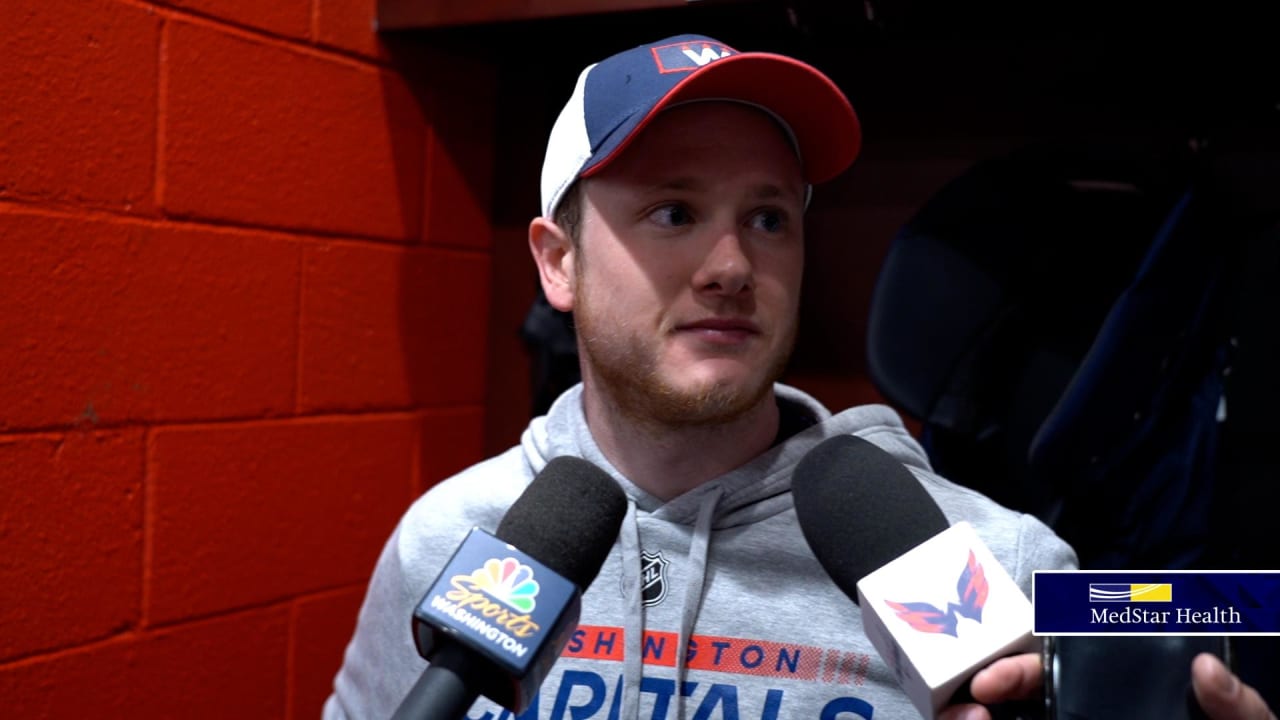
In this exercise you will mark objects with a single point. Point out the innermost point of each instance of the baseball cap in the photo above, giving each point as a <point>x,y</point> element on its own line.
<point>617,97</point>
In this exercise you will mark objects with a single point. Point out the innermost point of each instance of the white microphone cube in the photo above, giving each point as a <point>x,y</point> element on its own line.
<point>941,612</point>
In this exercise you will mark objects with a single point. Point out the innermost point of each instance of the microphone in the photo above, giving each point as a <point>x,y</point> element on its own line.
<point>498,615</point>
<point>936,604</point>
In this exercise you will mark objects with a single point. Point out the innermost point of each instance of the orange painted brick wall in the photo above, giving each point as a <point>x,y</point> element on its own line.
<point>244,288</point>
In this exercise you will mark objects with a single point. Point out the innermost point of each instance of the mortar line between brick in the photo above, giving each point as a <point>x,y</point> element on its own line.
<point>27,206</point>
<point>320,419</point>
<point>54,653</point>
<point>283,604</point>
<point>162,114</point>
<point>148,527</point>
<point>263,36</point>
<point>324,416</point>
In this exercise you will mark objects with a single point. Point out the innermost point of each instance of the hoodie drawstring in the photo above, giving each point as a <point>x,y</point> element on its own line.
<point>699,546</point>
<point>633,624</point>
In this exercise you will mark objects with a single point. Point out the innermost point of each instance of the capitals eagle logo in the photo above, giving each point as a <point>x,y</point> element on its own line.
<point>972,589</point>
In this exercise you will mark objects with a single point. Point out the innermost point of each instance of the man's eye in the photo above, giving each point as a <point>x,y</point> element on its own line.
<point>769,220</point>
<point>671,215</point>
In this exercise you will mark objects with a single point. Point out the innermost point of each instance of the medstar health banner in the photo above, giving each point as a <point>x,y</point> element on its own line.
<point>1165,602</point>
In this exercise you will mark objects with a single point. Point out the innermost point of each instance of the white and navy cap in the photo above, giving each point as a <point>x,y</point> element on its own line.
<point>617,97</point>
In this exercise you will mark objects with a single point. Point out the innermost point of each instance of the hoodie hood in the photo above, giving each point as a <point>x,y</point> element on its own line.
<point>749,493</point>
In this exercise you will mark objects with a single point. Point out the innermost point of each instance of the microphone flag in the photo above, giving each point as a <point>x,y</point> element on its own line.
<point>504,605</point>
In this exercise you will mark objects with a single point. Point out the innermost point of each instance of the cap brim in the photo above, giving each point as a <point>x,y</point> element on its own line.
<point>825,126</point>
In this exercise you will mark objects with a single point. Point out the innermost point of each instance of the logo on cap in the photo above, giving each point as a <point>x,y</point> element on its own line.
<point>689,55</point>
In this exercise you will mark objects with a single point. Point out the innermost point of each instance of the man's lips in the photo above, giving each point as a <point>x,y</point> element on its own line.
<point>727,330</point>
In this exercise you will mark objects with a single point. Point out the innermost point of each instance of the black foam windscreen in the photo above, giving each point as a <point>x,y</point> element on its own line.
<point>567,518</point>
<point>859,508</point>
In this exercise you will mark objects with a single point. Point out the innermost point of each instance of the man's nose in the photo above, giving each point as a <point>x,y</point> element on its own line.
<point>727,269</point>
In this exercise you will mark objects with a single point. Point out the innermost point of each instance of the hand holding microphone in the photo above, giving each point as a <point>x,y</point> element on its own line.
<point>1218,692</point>
<point>505,605</point>
<point>940,620</point>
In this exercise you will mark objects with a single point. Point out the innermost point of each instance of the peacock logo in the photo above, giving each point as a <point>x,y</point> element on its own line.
<point>508,581</point>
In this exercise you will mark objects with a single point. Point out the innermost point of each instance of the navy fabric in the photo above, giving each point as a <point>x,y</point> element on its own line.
<point>621,90</point>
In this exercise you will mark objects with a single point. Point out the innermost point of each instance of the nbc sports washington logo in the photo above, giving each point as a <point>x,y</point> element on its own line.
<point>501,592</point>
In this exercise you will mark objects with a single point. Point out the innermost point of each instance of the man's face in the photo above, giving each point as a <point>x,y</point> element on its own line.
<point>687,284</point>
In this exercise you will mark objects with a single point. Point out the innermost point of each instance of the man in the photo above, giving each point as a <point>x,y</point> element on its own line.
<point>674,188</point>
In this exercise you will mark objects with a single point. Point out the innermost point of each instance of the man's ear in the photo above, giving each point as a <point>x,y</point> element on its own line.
<point>553,252</point>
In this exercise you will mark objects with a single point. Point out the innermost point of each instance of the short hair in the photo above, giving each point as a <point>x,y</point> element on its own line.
<point>568,215</point>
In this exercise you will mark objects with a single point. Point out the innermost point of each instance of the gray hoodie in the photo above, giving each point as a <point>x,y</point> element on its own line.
<point>721,570</point>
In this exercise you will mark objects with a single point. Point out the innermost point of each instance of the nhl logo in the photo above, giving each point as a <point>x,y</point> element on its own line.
<point>653,578</point>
